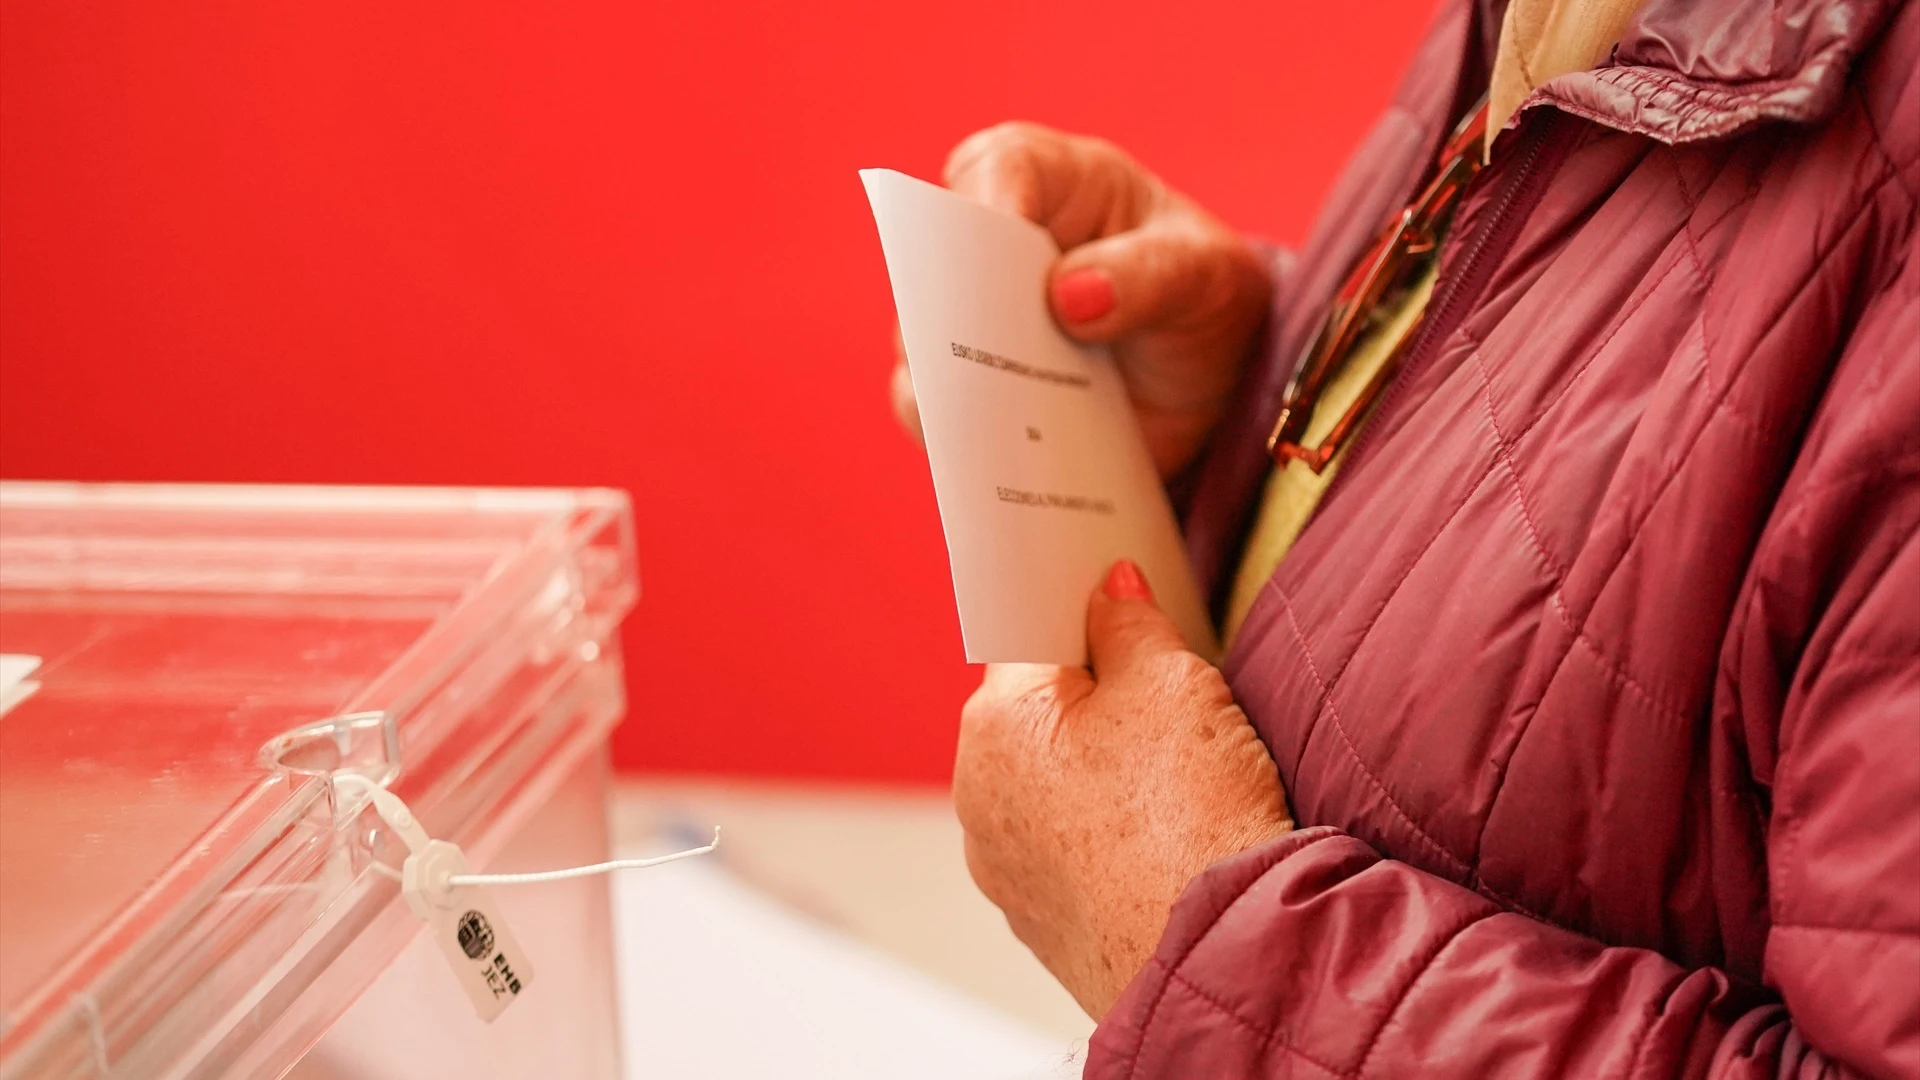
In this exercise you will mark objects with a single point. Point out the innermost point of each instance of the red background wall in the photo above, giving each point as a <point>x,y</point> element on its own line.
<point>597,243</point>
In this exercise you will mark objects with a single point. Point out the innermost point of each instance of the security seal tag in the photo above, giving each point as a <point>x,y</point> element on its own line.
<point>472,934</point>
<point>486,959</point>
<point>453,901</point>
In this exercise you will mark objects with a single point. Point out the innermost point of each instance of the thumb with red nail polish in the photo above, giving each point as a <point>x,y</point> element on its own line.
<point>1124,626</point>
<point>1126,582</point>
<point>1083,295</point>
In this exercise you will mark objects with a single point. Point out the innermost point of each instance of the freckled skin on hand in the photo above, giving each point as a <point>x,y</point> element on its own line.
<point>1091,798</point>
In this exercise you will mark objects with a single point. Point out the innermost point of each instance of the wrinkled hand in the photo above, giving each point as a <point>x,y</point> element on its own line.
<point>1090,799</point>
<point>1177,294</point>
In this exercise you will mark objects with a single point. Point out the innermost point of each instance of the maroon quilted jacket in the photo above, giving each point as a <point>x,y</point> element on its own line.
<point>1595,682</point>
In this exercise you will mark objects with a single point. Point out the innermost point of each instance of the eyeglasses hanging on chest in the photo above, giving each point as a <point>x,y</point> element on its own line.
<point>1380,283</point>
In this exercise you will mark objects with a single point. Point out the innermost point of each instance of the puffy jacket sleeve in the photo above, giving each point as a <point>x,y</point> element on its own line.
<point>1315,956</point>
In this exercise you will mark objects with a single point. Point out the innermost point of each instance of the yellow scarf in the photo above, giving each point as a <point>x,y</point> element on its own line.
<point>1545,39</point>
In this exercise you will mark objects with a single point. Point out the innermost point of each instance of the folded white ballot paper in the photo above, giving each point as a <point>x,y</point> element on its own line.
<point>1039,467</point>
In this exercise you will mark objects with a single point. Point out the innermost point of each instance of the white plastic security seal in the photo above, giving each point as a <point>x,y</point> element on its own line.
<point>443,891</point>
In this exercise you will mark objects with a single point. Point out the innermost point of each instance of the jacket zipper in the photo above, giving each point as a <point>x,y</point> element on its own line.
<point>1538,158</point>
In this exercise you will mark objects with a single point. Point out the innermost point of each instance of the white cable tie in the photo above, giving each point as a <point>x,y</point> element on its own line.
<point>397,816</point>
<point>472,933</point>
<point>389,807</point>
<point>458,880</point>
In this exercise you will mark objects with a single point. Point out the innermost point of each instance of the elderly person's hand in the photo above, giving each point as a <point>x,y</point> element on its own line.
<point>1090,799</point>
<point>1177,294</point>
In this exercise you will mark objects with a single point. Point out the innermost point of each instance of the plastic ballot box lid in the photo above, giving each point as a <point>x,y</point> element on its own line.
<point>183,890</point>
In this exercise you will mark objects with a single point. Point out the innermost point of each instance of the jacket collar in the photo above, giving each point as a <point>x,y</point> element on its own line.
<point>1685,70</point>
<point>1688,70</point>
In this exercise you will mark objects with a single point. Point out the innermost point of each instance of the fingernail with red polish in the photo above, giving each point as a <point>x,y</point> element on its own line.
<point>1126,582</point>
<point>1083,295</point>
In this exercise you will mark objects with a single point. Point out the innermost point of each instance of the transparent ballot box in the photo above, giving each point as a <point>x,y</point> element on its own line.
<point>184,892</point>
